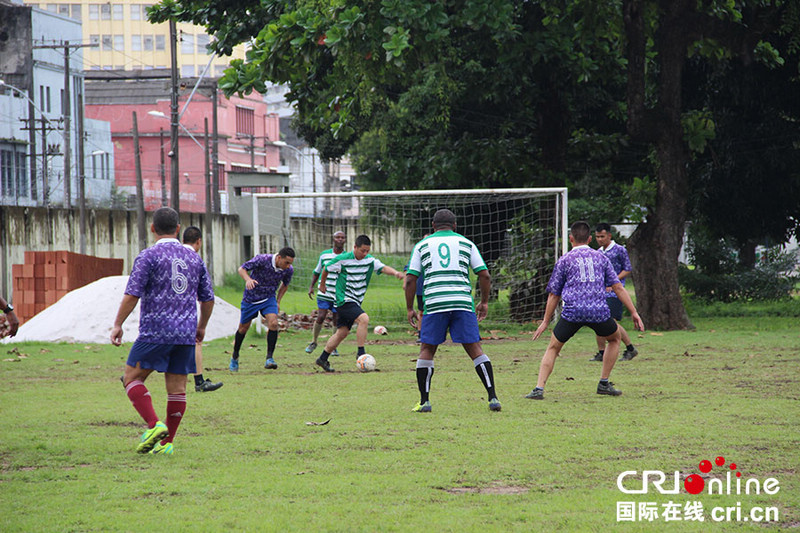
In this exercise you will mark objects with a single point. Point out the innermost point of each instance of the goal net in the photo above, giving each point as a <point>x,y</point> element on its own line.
<point>520,233</point>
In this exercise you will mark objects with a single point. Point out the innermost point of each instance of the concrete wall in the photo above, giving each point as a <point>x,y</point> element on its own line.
<point>110,233</point>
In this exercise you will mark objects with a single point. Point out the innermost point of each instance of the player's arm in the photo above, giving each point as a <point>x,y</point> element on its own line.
<point>322,280</point>
<point>202,320</point>
<point>281,291</point>
<point>485,284</point>
<point>550,308</point>
<point>624,274</point>
<point>127,306</point>
<point>625,298</point>
<point>314,278</point>
<point>392,272</point>
<point>11,317</point>
<point>248,281</point>
<point>410,287</point>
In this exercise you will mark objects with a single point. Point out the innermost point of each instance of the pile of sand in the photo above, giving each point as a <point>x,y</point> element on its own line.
<point>87,315</point>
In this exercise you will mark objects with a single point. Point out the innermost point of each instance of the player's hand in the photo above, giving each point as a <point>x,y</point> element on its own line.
<point>311,293</point>
<point>481,310</point>
<point>412,318</point>
<point>400,275</point>
<point>13,323</point>
<point>540,330</point>
<point>200,335</point>
<point>637,322</point>
<point>322,289</point>
<point>609,289</point>
<point>116,336</point>
<point>251,283</point>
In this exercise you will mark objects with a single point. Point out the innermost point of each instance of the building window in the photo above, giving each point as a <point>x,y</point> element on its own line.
<point>187,71</point>
<point>202,43</point>
<point>136,43</point>
<point>136,11</point>
<point>94,39</point>
<point>161,42</point>
<point>13,172</point>
<point>107,43</point>
<point>119,43</point>
<point>148,43</point>
<point>94,11</point>
<point>187,43</point>
<point>245,121</point>
<point>7,172</point>
<point>118,11</point>
<point>52,8</point>
<point>63,9</point>
<point>105,11</point>
<point>77,11</point>
<point>47,90</point>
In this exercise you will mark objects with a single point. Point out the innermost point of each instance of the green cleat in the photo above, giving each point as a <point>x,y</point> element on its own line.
<point>151,437</point>
<point>535,394</point>
<point>494,405</point>
<point>163,449</point>
<point>423,408</point>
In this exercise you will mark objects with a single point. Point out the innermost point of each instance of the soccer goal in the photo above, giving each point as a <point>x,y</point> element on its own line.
<point>520,233</point>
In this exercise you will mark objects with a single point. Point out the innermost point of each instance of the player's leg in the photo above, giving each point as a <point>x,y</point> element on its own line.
<point>362,327</point>
<point>143,359</point>
<point>333,342</point>
<point>318,323</point>
<point>562,332</point>
<point>630,350</point>
<point>272,340</point>
<point>464,329</point>
<point>433,332</point>
<point>201,384</point>
<point>601,347</point>
<point>611,331</point>
<point>181,363</point>
<point>248,313</point>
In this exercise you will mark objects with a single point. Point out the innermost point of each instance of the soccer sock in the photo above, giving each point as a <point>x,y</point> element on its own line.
<point>176,407</point>
<point>483,366</point>
<point>361,351</point>
<point>629,347</point>
<point>601,352</point>
<point>424,375</point>
<point>237,343</point>
<point>272,339</point>
<point>317,329</point>
<point>142,402</point>
<point>324,355</point>
<point>198,379</point>
<point>604,381</point>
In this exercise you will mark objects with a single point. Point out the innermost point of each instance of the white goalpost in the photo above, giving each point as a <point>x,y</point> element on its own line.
<point>520,233</point>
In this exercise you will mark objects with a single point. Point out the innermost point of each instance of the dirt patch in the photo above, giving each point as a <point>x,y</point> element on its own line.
<point>495,487</point>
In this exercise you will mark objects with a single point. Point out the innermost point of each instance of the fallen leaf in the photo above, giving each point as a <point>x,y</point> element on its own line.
<point>656,334</point>
<point>318,423</point>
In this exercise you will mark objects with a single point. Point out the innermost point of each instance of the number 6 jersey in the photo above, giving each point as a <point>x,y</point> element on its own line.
<point>445,258</point>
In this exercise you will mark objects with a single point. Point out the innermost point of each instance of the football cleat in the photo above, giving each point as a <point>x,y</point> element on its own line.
<point>608,389</point>
<point>163,449</point>
<point>423,407</point>
<point>270,363</point>
<point>207,386</point>
<point>494,405</point>
<point>535,394</point>
<point>151,437</point>
<point>311,347</point>
<point>234,366</point>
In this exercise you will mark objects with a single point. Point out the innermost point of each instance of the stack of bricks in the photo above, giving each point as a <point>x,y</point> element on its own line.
<point>47,276</point>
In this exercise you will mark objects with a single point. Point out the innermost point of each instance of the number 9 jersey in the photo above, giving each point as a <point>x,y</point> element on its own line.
<point>445,259</point>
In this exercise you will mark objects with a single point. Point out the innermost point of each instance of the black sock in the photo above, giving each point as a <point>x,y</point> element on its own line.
<point>601,352</point>
<point>361,351</point>
<point>630,347</point>
<point>272,339</point>
<point>198,379</point>
<point>324,355</point>
<point>484,370</point>
<point>237,343</point>
<point>424,375</point>
<point>604,381</point>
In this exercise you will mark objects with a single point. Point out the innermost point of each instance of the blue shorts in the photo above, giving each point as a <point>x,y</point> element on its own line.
<point>615,306</point>
<point>325,304</point>
<point>463,326</point>
<point>172,358</point>
<point>250,311</point>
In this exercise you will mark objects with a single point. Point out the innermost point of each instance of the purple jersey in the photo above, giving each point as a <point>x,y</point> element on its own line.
<point>618,256</point>
<point>580,278</point>
<point>169,279</point>
<point>262,269</point>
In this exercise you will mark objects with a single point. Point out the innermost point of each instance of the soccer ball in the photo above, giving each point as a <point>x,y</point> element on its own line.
<point>365,363</point>
<point>380,330</point>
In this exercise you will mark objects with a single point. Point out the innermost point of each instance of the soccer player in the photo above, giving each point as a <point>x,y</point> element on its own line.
<point>444,258</point>
<point>11,316</point>
<point>169,280</point>
<point>325,299</point>
<point>580,279</point>
<point>618,256</point>
<point>354,271</point>
<point>267,277</point>
<point>193,240</point>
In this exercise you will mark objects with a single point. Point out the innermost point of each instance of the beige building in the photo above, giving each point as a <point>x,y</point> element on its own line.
<point>127,41</point>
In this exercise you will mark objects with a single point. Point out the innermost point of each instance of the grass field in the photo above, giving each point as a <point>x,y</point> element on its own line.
<point>246,460</point>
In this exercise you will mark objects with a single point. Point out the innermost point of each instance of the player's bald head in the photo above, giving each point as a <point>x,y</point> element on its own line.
<point>444,218</point>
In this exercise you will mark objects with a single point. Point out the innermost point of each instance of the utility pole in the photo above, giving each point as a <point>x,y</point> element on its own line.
<point>140,222</point>
<point>81,175</point>
<point>209,211</point>
<point>163,168</point>
<point>215,151</point>
<point>67,109</point>
<point>314,180</point>
<point>174,178</point>
<point>45,171</point>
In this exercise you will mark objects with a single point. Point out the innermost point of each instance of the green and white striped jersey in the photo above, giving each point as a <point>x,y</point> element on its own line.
<point>330,282</point>
<point>353,276</point>
<point>445,257</point>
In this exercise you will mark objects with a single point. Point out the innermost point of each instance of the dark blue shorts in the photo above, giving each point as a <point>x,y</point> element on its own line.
<point>565,329</point>
<point>615,306</point>
<point>250,311</point>
<point>172,358</point>
<point>463,326</point>
<point>325,304</point>
<point>347,314</point>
